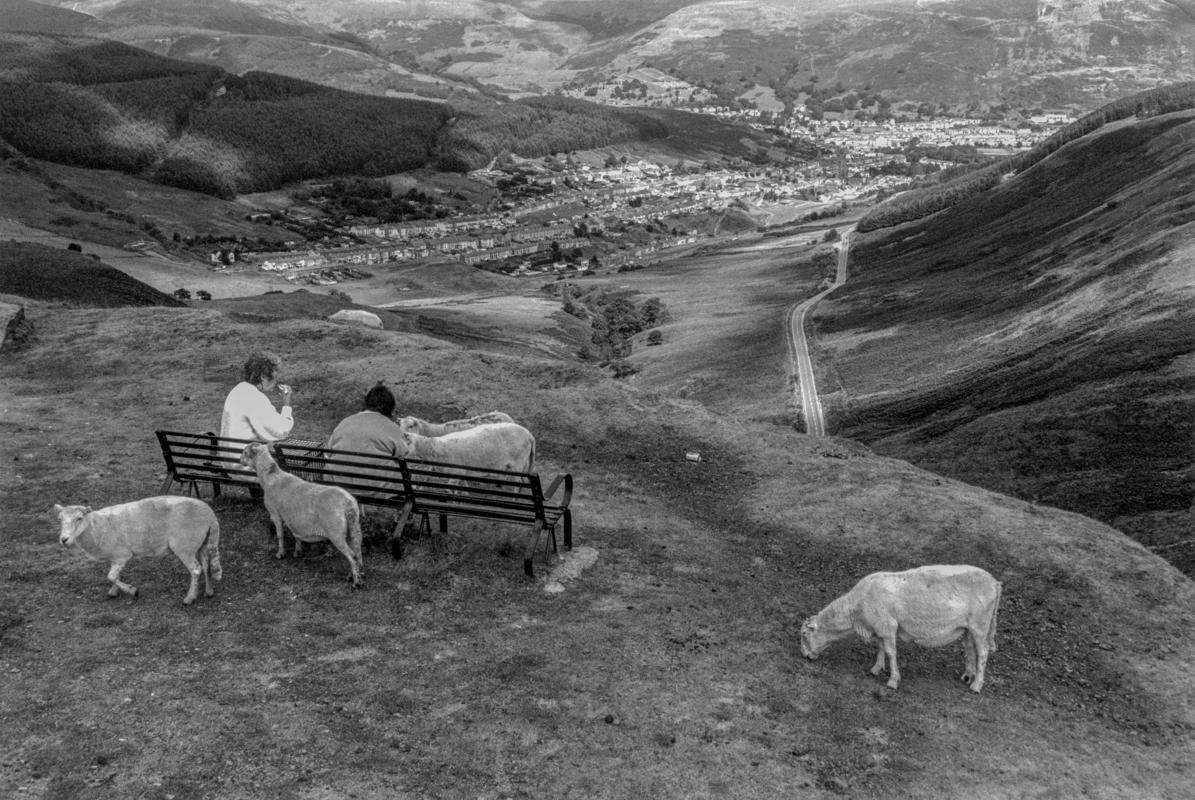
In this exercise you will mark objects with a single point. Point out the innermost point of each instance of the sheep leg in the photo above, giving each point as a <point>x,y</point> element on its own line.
<point>343,546</point>
<point>878,668</point>
<point>194,564</point>
<point>981,658</point>
<point>971,656</point>
<point>893,670</point>
<point>276,521</point>
<point>119,586</point>
<point>206,560</point>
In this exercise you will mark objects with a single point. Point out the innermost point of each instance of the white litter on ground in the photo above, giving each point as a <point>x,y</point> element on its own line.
<point>572,563</point>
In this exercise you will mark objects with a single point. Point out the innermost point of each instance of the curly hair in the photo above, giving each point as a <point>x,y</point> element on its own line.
<point>380,399</point>
<point>260,366</point>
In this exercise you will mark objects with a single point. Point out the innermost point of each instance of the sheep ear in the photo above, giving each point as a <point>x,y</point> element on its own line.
<point>57,509</point>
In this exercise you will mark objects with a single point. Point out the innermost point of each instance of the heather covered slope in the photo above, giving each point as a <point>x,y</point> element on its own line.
<point>1039,338</point>
<point>669,668</point>
<point>38,272</point>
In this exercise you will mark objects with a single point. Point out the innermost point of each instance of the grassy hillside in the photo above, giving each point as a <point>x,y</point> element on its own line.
<point>1037,338</point>
<point>44,273</point>
<point>667,668</point>
<point>27,15</point>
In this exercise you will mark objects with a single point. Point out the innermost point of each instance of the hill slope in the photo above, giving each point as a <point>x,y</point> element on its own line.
<point>1039,338</point>
<point>38,272</point>
<point>668,668</point>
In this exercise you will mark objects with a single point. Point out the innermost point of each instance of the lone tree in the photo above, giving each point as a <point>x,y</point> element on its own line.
<point>182,294</point>
<point>655,337</point>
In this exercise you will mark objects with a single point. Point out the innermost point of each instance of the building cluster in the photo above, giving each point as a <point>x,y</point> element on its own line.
<point>569,214</point>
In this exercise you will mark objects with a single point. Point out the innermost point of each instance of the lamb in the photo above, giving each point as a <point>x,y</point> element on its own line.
<point>313,512</point>
<point>184,526</point>
<point>425,428</point>
<point>931,606</point>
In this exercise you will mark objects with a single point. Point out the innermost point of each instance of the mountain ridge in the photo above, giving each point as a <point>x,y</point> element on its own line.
<point>959,53</point>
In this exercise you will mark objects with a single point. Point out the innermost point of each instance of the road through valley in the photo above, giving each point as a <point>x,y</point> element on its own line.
<point>798,346</point>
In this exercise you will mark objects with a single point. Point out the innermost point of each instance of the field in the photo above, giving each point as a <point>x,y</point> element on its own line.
<point>669,665</point>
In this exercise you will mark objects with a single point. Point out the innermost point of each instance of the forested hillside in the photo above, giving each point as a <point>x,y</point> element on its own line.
<point>101,104</point>
<point>108,105</point>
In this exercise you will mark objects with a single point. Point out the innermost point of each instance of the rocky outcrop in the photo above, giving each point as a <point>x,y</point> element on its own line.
<point>355,316</point>
<point>18,330</point>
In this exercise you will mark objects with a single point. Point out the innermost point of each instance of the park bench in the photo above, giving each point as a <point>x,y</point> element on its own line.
<point>195,458</point>
<point>410,487</point>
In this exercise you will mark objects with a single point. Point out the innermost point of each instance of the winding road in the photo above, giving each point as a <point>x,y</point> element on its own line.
<point>799,360</point>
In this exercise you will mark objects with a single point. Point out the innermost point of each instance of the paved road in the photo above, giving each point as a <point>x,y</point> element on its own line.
<point>800,362</point>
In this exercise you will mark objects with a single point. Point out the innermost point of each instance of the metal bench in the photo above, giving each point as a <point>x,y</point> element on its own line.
<point>410,487</point>
<point>447,490</point>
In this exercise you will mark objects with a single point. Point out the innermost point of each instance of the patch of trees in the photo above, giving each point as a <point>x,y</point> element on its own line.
<point>540,126</point>
<point>919,203</point>
<point>614,317</point>
<point>364,197</point>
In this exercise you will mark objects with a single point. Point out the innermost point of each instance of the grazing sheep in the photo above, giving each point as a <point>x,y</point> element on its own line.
<point>425,428</point>
<point>313,512</point>
<point>501,445</point>
<point>930,606</point>
<point>184,526</point>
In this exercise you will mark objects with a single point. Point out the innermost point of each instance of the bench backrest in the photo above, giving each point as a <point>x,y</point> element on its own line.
<point>432,487</point>
<point>370,477</point>
<point>205,457</point>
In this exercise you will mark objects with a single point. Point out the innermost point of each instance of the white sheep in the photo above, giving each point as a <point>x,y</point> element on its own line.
<point>504,446</point>
<point>313,512</point>
<point>184,526</point>
<point>931,606</point>
<point>425,428</point>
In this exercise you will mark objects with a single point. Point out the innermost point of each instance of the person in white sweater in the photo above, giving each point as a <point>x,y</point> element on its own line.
<point>248,411</point>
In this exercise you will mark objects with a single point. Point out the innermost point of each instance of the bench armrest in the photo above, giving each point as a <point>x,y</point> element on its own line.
<point>567,479</point>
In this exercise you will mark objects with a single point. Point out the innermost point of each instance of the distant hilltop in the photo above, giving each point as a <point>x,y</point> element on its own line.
<point>770,53</point>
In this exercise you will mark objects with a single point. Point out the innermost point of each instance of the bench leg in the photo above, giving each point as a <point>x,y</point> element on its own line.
<point>532,542</point>
<point>568,529</point>
<point>396,534</point>
<point>166,486</point>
